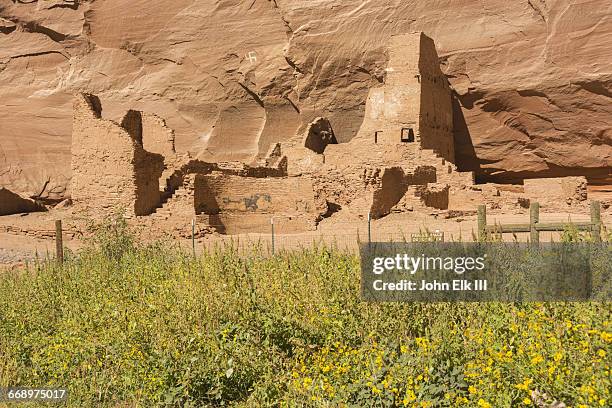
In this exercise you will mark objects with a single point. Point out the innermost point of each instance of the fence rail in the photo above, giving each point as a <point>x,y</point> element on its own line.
<point>273,241</point>
<point>534,227</point>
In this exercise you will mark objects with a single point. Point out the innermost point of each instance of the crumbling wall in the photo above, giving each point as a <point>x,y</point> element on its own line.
<point>156,136</point>
<point>436,110</point>
<point>392,188</point>
<point>247,204</point>
<point>435,195</point>
<point>555,191</point>
<point>148,168</point>
<point>422,175</point>
<point>110,168</point>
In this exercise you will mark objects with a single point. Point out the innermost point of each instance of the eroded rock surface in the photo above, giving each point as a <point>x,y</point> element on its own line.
<point>532,78</point>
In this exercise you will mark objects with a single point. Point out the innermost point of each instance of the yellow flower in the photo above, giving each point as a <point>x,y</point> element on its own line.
<point>483,404</point>
<point>526,401</point>
<point>524,385</point>
<point>472,389</point>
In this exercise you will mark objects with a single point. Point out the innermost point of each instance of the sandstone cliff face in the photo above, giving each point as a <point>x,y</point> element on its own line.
<point>533,78</point>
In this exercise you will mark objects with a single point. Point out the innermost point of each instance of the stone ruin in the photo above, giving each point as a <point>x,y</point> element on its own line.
<point>110,167</point>
<point>402,159</point>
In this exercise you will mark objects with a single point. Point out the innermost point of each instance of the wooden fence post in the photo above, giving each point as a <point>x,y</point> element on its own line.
<point>59,243</point>
<point>369,228</point>
<point>534,218</point>
<point>193,237</point>
<point>272,230</point>
<point>482,222</point>
<point>596,220</point>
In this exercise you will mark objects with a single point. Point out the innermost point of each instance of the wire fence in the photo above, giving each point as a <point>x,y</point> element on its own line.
<point>274,243</point>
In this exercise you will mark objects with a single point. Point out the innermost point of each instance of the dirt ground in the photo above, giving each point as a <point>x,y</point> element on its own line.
<point>27,236</point>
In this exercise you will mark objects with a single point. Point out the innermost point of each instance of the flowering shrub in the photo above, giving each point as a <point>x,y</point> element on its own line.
<point>499,356</point>
<point>152,326</point>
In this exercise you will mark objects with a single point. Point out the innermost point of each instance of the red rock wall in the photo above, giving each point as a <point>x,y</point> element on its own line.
<point>532,78</point>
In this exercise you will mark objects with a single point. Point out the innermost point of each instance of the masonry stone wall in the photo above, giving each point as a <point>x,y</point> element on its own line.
<point>560,190</point>
<point>414,105</point>
<point>156,136</point>
<point>391,189</point>
<point>436,110</point>
<point>110,168</point>
<point>248,203</point>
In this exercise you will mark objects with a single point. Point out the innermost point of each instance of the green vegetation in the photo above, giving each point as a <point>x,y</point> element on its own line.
<point>125,325</point>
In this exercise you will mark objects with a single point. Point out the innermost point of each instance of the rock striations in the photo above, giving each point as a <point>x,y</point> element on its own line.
<point>531,79</point>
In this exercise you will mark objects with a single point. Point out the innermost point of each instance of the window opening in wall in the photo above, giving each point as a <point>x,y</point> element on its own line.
<point>376,135</point>
<point>407,135</point>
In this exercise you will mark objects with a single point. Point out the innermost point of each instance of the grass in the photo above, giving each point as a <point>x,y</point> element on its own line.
<point>124,325</point>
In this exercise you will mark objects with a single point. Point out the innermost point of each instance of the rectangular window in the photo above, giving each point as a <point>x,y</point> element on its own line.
<point>407,135</point>
<point>376,135</point>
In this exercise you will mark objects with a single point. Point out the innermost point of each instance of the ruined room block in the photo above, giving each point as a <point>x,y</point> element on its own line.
<point>391,189</point>
<point>247,204</point>
<point>558,190</point>
<point>156,136</point>
<point>110,168</point>
<point>435,195</point>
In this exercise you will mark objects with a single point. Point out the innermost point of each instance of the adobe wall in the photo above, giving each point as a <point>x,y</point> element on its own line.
<point>434,195</point>
<point>156,136</point>
<point>436,110</point>
<point>414,105</point>
<point>391,189</point>
<point>110,169</point>
<point>556,191</point>
<point>247,203</point>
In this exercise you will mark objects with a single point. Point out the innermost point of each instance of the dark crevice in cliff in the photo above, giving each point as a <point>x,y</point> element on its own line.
<point>537,10</point>
<point>7,30</point>
<point>70,4</point>
<point>33,27</point>
<point>293,65</point>
<point>252,93</point>
<point>36,54</point>
<point>52,34</point>
<point>469,99</point>
<point>596,87</point>
<point>284,20</point>
<point>297,109</point>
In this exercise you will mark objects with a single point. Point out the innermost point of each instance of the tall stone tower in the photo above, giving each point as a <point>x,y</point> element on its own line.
<point>414,105</point>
